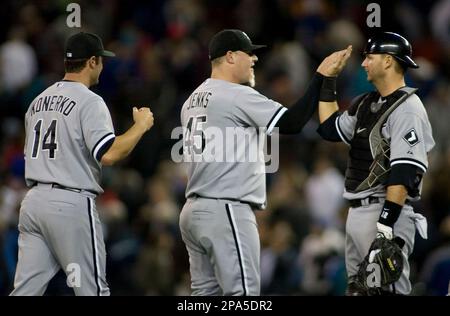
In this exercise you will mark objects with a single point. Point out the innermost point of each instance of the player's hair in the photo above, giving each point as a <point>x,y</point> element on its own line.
<point>77,65</point>
<point>217,61</point>
<point>400,67</point>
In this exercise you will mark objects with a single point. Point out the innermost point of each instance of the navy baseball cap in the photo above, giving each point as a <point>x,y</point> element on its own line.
<point>85,45</point>
<point>232,40</point>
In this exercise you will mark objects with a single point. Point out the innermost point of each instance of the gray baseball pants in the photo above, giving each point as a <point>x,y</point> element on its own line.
<point>60,229</point>
<point>361,231</point>
<point>222,240</point>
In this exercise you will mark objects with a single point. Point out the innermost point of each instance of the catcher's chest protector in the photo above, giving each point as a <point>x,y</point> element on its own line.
<point>369,165</point>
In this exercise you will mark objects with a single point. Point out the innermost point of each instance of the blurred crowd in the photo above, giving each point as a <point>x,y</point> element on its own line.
<point>162,55</point>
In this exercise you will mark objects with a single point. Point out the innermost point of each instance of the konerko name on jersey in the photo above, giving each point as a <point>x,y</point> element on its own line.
<point>53,103</point>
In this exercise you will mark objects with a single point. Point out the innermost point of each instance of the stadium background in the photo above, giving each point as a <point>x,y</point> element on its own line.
<point>161,49</point>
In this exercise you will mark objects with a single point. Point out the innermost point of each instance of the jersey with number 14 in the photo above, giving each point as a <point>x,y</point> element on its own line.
<point>68,128</point>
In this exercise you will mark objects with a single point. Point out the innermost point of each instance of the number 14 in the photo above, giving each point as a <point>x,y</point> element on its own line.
<point>47,144</point>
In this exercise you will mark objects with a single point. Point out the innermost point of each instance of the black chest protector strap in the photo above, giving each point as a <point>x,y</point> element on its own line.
<point>370,152</point>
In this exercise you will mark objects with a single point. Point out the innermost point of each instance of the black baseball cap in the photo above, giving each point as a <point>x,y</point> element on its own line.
<point>85,45</point>
<point>232,40</point>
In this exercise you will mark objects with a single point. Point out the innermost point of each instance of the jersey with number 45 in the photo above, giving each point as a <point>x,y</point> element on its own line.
<point>68,129</point>
<point>223,124</point>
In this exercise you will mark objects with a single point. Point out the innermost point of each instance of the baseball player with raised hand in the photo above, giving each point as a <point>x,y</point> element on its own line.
<point>390,136</point>
<point>69,136</point>
<point>218,222</point>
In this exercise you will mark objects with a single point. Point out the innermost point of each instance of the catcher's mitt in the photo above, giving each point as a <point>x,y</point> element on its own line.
<point>382,266</point>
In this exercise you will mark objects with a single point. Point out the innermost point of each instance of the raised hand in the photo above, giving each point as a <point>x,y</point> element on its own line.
<point>333,64</point>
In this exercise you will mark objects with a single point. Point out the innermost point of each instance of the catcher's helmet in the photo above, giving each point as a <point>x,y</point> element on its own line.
<point>392,44</point>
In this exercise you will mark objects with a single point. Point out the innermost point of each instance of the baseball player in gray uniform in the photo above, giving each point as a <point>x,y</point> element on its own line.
<point>389,137</point>
<point>217,221</point>
<point>69,135</point>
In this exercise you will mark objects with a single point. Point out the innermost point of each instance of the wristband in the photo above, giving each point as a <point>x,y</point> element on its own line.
<point>328,90</point>
<point>390,213</point>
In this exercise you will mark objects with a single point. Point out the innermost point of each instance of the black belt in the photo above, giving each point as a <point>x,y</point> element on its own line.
<point>58,186</point>
<point>252,205</point>
<point>369,200</point>
<point>364,202</point>
<point>61,187</point>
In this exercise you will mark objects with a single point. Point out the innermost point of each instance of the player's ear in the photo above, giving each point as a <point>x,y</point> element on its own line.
<point>92,62</point>
<point>388,61</point>
<point>229,57</point>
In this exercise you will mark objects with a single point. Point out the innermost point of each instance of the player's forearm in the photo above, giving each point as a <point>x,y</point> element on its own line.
<point>123,145</point>
<point>397,194</point>
<point>326,109</point>
<point>395,199</point>
<point>301,111</point>
<point>328,99</point>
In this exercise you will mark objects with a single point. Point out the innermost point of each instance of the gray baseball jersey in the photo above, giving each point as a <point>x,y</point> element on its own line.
<point>224,124</point>
<point>409,132</point>
<point>228,117</point>
<point>67,128</point>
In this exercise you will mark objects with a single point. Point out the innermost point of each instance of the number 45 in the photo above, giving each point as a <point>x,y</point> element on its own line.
<point>194,138</point>
<point>47,144</point>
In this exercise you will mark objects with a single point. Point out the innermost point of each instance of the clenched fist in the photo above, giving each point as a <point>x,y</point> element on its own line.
<point>143,117</point>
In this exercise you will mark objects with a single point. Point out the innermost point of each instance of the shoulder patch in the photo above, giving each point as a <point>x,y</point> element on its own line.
<point>411,138</point>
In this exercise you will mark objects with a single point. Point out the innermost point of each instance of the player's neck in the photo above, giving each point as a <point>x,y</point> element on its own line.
<point>388,85</point>
<point>218,73</point>
<point>78,77</point>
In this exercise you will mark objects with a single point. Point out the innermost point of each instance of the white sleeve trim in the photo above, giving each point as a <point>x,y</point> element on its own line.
<point>275,120</point>
<point>341,134</point>
<point>101,143</point>
<point>407,161</point>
